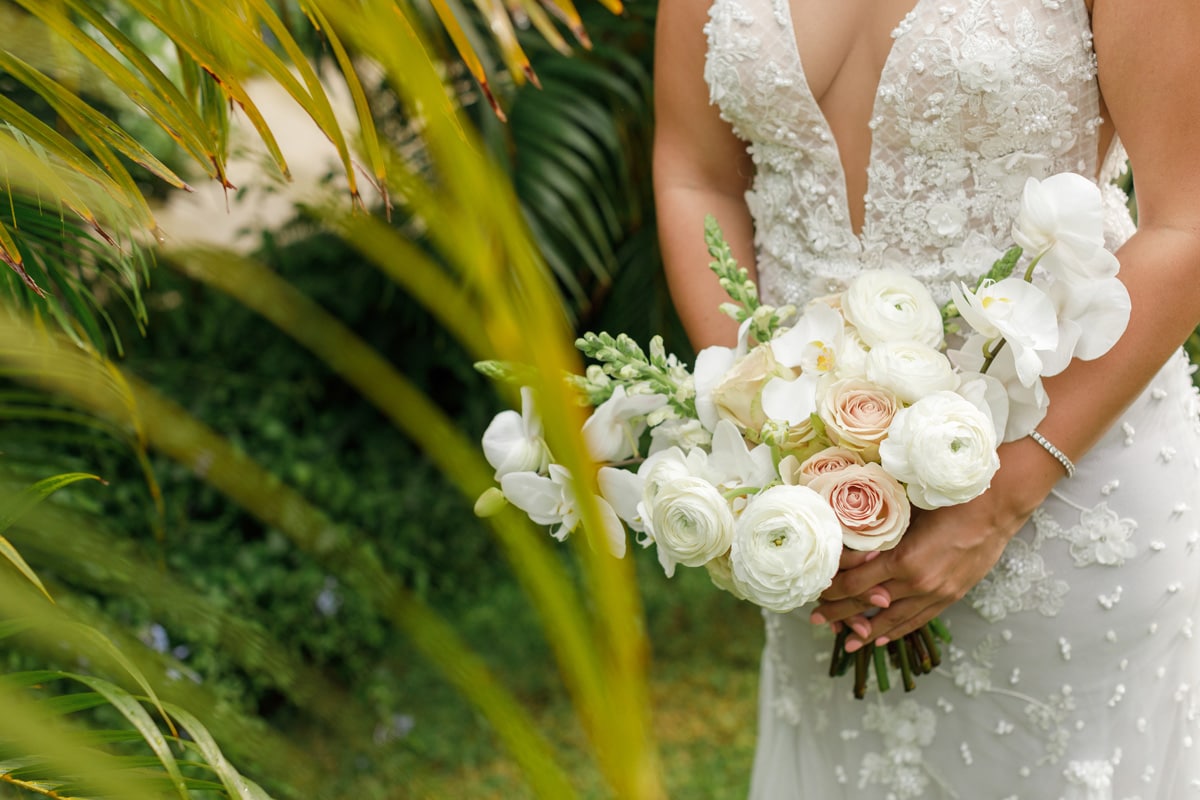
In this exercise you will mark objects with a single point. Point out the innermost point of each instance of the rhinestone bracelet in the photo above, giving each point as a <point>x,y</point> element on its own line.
<point>1059,455</point>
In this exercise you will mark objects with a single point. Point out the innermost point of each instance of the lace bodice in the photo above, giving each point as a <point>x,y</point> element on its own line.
<point>975,96</point>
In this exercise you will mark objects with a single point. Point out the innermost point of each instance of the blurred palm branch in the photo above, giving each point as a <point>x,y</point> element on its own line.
<point>489,247</point>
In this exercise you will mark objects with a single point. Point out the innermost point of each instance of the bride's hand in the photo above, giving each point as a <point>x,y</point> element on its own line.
<point>943,555</point>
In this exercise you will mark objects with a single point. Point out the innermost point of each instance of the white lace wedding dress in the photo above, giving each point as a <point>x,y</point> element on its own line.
<point>1074,671</point>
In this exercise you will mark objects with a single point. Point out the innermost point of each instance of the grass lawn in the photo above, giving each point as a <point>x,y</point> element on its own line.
<point>703,678</point>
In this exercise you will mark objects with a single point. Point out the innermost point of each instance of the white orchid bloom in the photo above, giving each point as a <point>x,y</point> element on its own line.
<point>733,464</point>
<point>613,429</point>
<point>791,402</point>
<point>1092,316</point>
<point>711,365</point>
<point>623,491</point>
<point>513,442</point>
<point>813,343</point>
<point>1017,310</point>
<point>1061,221</point>
<point>551,501</point>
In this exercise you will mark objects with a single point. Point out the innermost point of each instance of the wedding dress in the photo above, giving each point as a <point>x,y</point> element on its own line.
<point>1074,670</point>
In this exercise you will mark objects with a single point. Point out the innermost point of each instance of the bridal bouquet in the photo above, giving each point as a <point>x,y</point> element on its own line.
<point>824,427</point>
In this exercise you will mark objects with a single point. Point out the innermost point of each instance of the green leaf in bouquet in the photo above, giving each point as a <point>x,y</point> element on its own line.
<point>1003,267</point>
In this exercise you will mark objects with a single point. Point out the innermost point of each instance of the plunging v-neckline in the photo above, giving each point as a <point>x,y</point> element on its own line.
<point>842,179</point>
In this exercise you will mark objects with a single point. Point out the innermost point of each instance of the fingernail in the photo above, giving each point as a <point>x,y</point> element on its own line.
<point>862,629</point>
<point>817,619</point>
<point>852,645</point>
<point>879,601</point>
<point>882,641</point>
<point>871,556</point>
<point>836,627</point>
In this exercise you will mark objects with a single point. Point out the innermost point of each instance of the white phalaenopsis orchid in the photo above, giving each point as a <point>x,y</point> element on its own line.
<point>813,343</point>
<point>550,500</point>
<point>1091,316</point>
<point>613,429</point>
<point>1017,310</point>
<point>513,442</point>
<point>711,365</point>
<point>1061,223</point>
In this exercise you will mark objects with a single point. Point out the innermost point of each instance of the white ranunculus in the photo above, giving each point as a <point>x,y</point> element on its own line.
<point>691,522</point>
<point>1017,310</point>
<point>812,344</point>
<point>786,547</point>
<point>852,358</point>
<point>944,448</point>
<point>887,305</point>
<point>513,442</point>
<point>1061,221</point>
<point>613,429</point>
<point>910,369</point>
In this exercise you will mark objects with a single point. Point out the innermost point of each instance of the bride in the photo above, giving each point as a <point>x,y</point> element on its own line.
<point>829,136</point>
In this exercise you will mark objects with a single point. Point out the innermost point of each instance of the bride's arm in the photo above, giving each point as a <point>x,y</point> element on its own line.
<point>700,168</point>
<point>1148,65</point>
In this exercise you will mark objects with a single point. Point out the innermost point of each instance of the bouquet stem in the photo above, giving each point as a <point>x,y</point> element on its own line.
<point>914,654</point>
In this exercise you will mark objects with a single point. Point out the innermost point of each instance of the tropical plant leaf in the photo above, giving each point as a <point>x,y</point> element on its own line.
<point>29,498</point>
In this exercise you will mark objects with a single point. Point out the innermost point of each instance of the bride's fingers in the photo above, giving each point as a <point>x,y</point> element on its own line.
<point>858,581</point>
<point>903,618</point>
<point>854,558</point>
<point>843,610</point>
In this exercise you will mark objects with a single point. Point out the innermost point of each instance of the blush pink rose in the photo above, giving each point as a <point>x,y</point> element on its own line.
<point>871,505</point>
<point>831,459</point>
<point>857,414</point>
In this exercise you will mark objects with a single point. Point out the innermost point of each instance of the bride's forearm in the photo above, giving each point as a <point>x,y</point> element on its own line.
<point>694,288</point>
<point>1161,269</point>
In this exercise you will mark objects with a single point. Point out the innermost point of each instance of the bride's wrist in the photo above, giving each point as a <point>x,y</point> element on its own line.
<point>1028,472</point>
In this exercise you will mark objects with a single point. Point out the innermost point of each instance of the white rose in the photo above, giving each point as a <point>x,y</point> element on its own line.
<point>886,305</point>
<point>944,448</point>
<point>910,369</point>
<point>786,547</point>
<point>691,523</point>
<point>1062,221</point>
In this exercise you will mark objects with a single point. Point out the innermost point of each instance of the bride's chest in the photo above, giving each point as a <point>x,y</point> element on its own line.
<point>999,75</point>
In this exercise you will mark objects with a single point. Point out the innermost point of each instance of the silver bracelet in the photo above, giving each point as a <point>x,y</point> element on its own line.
<point>1059,455</point>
